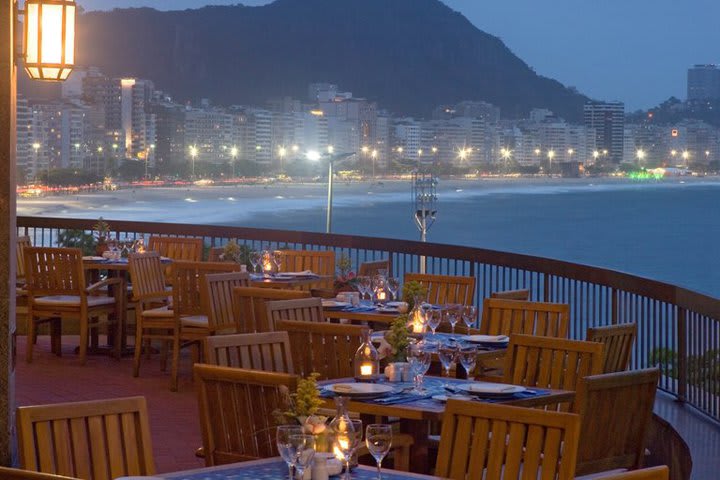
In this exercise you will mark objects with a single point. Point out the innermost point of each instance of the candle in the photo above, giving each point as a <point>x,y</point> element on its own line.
<point>418,321</point>
<point>267,266</point>
<point>342,445</point>
<point>366,370</point>
<point>381,296</point>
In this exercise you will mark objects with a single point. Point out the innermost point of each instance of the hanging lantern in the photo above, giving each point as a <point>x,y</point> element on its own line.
<point>366,363</point>
<point>49,39</point>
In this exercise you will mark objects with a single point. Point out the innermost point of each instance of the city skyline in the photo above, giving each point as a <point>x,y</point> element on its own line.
<point>651,69</point>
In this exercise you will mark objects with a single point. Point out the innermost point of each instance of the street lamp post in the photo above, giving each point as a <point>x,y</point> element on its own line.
<point>640,154</point>
<point>233,155</point>
<point>193,154</point>
<point>373,155</point>
<point>315,156</point>
<point>282,151</point>
<point>551,155</point>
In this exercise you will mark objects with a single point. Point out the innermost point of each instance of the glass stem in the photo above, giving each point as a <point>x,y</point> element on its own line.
<point>379,463</point>
<point>347,469</point>
<point>290,472</point>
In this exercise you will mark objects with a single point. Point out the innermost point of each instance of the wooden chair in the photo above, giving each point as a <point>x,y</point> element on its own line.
<point>321,262</point>
<point>94,440</point>
<point>505,317</point>
<point>21,300</point>
<point>251,304</point>
<point>154,320</point>
<point>547,362</point>
<point>57,291</point>
<point>268,351</point>
<point>499,442</point>
<point>7,473</point>
<point>326,348</point>
<point>215,254</point>
<point>222,312</point>
<point>444,289</point>
<point>186,249</point>
<point>191,306</point>
<point>615,411</point>
<point>236,411</point>
<point>370,269</point>
<point>654,473</point>
<point>522,295</point>
<point>618,340</point>
<point>302,309</point>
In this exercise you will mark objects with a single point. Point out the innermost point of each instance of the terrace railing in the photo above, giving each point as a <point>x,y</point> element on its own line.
<point>678,329</point>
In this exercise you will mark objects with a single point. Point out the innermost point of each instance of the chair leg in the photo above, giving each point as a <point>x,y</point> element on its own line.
<point>119,337</point>
<point>56,336</point>
<point>84,333</point>
<point>138,346</point>
<point>175,361</point>
<point>31,335</point>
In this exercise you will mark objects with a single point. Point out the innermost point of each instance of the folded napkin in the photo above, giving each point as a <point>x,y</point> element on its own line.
<point>358,309</point>
<point>304,273</point>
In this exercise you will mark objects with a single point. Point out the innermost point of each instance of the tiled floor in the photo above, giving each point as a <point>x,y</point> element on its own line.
<point>174,419</point>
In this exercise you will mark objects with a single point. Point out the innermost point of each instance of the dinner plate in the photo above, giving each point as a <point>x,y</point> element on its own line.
<point>335,304</point>
<point>444,398</point>
<point>487,389</point>
<point>488,339</point>
<point>359,390</point>
<point>394,304</point>
<point>94,258</point>
<point>388,310</point>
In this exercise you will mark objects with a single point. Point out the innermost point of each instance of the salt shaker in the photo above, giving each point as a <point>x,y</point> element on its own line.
<point>243,268</point>
<point>319,468</point>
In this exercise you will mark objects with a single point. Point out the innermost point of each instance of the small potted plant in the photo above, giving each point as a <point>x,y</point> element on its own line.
<point>397,341</point>
<point>412,291</point>
<point>101,230</point>
<point>345,279</point>
<point>303,408</point>
<point>232,252</point>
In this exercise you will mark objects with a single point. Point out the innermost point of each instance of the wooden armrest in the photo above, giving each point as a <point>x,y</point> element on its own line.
<point>322,292</point>
<point>103,283</point>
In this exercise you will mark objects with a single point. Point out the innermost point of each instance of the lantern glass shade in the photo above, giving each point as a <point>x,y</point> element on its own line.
<point>49,39</point>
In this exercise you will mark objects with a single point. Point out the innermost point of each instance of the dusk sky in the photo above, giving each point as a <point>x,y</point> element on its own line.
<point>635,51</point>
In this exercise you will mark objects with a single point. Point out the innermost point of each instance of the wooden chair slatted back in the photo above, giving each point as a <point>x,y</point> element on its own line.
<point>7,473</point>
<point>303,309</point>
<point>616,411</point>
<point>54,271</point>
<point>494,442</point>
<point>251,304</point>
<point>444,289</point>
<point>521,294</point>
<point>370,269</point>
<point>268,351</point>
<point>548,362</point>
<point>177,248</point>
<point>505,317</point>
<point>215,254</point>
<point>222,312</point>
<point>236,411</point>
<point>653,473</point>
<point>189,296</point>
<point>22,243</point>
<point>148,275</point>
<point>326,348</point>
<point>618,340</point>
<point>94,440</point>
<point>321,262</point>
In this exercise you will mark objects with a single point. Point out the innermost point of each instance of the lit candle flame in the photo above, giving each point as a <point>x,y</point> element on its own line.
<point>343,444</point>
<point>366,370</point>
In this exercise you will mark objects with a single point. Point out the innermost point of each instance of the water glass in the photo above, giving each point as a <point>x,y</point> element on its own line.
<point>419,359</point>
<point>364,286</point>
<point>303,446</point>
<point>451,316</point>
<point>393,285</point>
<point>468,359</point>
<point>447,353</point>
<point>284,446</point>
<point>347,441</point>
<point>378,439</point>
<point>469,315</point>
<point>277,258</point>
<point>433,319</point>
<point>255,260</point>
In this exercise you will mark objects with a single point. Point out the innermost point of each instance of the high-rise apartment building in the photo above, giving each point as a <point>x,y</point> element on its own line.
<point>703,83</point>
<point>608,122</point>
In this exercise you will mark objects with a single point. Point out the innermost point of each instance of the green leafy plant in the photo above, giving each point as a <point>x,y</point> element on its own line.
<point>398,338</point>
<point>412,290</point>
<point>345,276</point>
<point>73,238</point>
<point>102,230</point>
<point>232,252</point>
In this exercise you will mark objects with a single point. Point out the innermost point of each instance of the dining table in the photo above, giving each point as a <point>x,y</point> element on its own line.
<point>288,280</point>
<point>416,410</point>
<point>276,469</point>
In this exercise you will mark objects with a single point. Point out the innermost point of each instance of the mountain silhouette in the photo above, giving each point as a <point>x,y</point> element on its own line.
<point>408,55</point>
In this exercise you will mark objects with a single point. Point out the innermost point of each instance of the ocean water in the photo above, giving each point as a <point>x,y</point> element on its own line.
<point>667,230</point>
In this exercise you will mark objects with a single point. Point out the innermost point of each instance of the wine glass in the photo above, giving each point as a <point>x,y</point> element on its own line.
<point>255,260</point>
<point>393,285</point>
<point>285,448</point>
<point>418,357</point>
<point>468,359</point>
<point>433,319</point>
<point>378,439</point>
<point>277,256</point>
<point>469,314</point>
<point>364,286</point>
<point>451,315</point>
<point>303,446</point>
<point>347,441</point>
<point>447,353</point>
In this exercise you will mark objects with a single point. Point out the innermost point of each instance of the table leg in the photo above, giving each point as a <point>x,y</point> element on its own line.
<point>419,461</point>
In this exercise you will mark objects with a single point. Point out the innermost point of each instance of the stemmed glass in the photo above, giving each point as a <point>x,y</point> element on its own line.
<point>447,353</point>
<point>433,318</point>
<point>419,358</point>
<point>393,285</point>
<point>277,258</point>
<point>469,314</point>
<point>284,446</point>
<point>468,359</point>
<point>378,439</point>
<point>347,441</point>
<point>255,260</point>
<point>451,315</point>
<point>364,286</point>
<point>303,446</point>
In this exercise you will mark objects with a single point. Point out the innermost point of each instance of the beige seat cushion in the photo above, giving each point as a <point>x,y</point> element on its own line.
<point>159,312</point>
<point>200,321</point>
<point>73,300</point>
